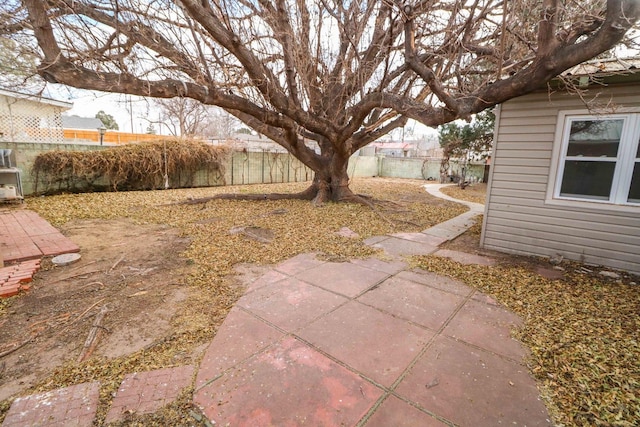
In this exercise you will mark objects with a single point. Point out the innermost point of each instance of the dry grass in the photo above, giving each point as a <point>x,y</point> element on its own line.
<point>474,193</point>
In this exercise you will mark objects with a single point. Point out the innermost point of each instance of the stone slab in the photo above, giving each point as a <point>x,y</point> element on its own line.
<point>239,337</point>
<point>343,278</point>
<point>299,263</point>
<point>378,345</point>
<point>472,387</point>
<point>437,281</point>
<point>401,247</point>
<point>395,413</point>
<point>289,385</point>
<point>424,305</point>
<point>290,304</point>
<point>487,326</point>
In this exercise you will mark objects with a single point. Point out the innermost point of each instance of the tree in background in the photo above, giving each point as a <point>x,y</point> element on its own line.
<point>107,120</point>
<point>471,141</point>
<point>188,117</point>
<point>221,125</point>
<point>17,66</point>
<point>335,73</point>
<point>183,116</point>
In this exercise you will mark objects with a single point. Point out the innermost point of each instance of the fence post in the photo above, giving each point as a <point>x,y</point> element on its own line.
<point>232,153</point>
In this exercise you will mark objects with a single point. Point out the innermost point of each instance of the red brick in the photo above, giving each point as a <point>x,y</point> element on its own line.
<point>10,292</point>
<point>10,282</point>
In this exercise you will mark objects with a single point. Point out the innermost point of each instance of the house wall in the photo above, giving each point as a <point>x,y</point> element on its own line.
<point>520,218</point>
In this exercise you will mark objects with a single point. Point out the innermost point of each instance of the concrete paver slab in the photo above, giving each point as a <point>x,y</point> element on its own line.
<point>239,337</point>
<point>298,264</point>
<point>418,303</point>
<point>446,232</point>
<point>376,344</point>
<point>70,406</point>
<point>146,392</point>
<point>343,278</point>
<point>437,281</point>
<point>268,278</point>
<point>420,238</point>
<point>472,387</point>
<point>465,258</point>
<point>389,267</point>
<point>480,297</point>
<point>374,239</point>
<point>288,385</point>
<point>487,326</point>
<point>401,247</point>
<point>395,413</point>
<point>291,303</point>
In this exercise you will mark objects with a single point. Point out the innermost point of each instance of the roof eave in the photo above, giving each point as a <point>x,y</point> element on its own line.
<point>41,99</point>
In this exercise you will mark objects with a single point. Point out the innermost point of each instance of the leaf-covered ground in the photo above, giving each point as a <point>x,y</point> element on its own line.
<point>474,193</point>
<point>583,333</point>
<point>297,227</point>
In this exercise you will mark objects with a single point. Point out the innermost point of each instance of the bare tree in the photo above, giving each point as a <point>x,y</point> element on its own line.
<point>183,116</point>
<point>220,125</point>
<point>339,73</point>
<point>188,117</point>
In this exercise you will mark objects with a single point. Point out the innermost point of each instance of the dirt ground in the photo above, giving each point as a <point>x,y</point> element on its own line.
<point>131,273</point>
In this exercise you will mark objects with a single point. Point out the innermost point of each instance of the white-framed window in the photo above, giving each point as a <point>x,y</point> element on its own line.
<point>600,159</point>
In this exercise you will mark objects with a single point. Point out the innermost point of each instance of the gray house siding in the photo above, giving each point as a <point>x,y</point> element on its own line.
<point>521,218</point>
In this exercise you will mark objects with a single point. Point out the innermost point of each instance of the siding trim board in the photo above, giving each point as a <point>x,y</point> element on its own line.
<point>558,234</point>
<point>523,249</point>
<point>521,214</point>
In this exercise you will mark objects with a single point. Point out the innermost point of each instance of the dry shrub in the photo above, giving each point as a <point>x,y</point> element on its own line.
<point>130,167</point>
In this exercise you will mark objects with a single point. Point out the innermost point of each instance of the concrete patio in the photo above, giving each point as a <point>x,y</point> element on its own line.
<point>365,343</point>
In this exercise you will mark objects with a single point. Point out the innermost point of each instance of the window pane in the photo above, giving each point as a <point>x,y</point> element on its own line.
<point>591,180</point>
<point>634,191</point>
<point>594,138</point>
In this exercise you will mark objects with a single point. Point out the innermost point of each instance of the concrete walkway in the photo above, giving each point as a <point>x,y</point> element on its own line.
<point>360,343</point>
<point>368,343</point>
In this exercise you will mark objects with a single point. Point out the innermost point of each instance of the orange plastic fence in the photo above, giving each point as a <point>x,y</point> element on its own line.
<point>110,137</point>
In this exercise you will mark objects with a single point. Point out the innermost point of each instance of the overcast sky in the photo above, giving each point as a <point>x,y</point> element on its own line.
<point>125,109</point>
<point>88,103</point>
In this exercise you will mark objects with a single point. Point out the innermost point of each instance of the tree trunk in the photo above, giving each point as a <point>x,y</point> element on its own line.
<point>331,182</point>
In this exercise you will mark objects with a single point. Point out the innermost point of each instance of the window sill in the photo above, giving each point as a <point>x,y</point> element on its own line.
<point>592,205</point>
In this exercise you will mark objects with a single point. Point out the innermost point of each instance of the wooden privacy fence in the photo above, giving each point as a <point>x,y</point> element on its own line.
<point>265,167</point>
